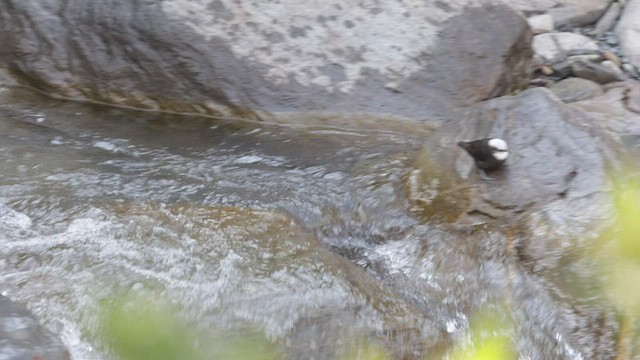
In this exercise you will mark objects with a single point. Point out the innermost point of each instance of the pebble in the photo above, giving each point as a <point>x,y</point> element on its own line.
<point>611,56</point>
<point>630,69</point>
<point>612,66</point>
<point>547,70</point>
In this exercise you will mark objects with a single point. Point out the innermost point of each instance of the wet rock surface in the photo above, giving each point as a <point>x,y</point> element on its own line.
<point>249,61</point>
<point>368,226</point>
<point>541,131</point>
<point>312,244</point>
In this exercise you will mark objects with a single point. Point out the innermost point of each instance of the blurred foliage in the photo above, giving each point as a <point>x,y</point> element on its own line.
<point>247,346</point>
<point>365,350</point>
<point>490,338</point>
<point>146,329</point>
<point>621,260</point>
<point>626,196</point>
<point>624,267</point>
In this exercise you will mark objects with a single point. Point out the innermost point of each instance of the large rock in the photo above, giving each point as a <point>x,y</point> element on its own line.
<point>628,31</point>
<point>222,57</point>
<point>554,168</point>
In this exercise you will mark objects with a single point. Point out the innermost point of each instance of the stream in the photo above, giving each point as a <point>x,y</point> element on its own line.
<point>301,232</point>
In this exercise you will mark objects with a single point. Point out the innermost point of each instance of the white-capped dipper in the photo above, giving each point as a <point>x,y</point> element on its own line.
<point>489,154</point>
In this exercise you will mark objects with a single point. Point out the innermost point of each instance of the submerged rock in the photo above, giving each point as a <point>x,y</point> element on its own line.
<point>22,337</point>
<point>251,60</point>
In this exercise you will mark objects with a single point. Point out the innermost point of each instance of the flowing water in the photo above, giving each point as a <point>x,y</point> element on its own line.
<point>300,232</point>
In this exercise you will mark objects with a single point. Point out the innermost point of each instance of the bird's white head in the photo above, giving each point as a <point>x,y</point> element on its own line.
<point>500,149</point>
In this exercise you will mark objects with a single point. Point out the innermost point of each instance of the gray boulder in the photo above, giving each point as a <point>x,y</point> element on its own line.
<point>252,60</point>
<point>554,169</point>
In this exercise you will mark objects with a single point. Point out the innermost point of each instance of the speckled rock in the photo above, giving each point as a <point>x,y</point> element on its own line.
<point>576,89</point>
<point>628,31</point>
<point>257,59</point>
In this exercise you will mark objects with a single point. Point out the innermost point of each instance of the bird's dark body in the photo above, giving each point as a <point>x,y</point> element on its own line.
<point>482,153</point>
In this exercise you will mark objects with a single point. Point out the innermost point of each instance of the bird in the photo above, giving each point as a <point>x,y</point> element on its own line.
<point>488,154</point>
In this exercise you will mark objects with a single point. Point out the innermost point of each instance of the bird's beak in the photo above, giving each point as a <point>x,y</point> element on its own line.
<point>463,144</point>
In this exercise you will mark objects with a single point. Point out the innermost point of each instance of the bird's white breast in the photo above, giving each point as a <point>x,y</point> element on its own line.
<point>501,155</point>
<point>499,144</point>
<point>500,149</point>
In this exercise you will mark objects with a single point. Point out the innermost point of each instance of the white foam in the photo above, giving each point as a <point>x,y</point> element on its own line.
<point>109,146</point>
<point>248,159</point>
